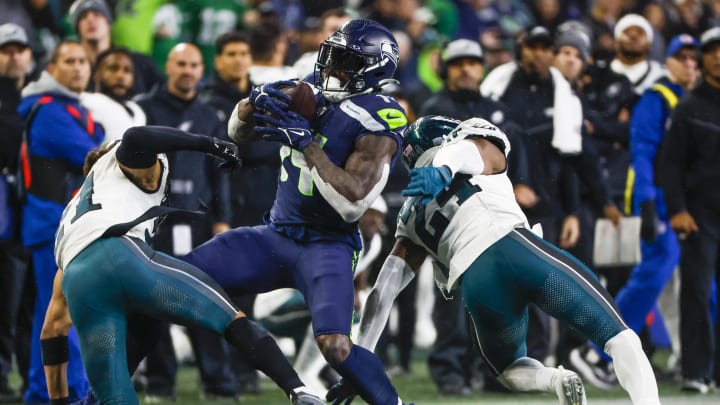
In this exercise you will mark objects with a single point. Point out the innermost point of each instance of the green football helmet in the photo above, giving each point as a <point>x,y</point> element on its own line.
<point>423,134</point>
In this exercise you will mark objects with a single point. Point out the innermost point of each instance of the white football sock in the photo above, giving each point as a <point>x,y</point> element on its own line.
<point>633,368</point>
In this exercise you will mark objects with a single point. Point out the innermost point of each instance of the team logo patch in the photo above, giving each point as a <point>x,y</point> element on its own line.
<point>390,51</point>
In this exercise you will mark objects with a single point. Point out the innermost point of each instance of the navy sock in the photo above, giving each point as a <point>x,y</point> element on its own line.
<point>262,352</point>
<point>365,371</point>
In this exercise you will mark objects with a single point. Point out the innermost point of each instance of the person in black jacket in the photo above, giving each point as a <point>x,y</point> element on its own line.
<point>230,82</point>
<point>194,179</point>
<point>453,360</point>
<point>15,60</point>
<point>689,171</point>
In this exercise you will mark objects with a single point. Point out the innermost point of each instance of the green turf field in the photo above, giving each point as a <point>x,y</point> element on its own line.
<point>419,389</point>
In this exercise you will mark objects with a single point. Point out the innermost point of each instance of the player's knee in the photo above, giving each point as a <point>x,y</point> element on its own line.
<point>335,348</point>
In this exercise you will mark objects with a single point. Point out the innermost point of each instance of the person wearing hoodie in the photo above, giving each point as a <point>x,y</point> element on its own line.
<point>59,133</point>
<point>230,82</point>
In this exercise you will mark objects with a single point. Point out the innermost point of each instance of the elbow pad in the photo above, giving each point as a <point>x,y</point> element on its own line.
<point>350,211</point>
<point>394,276</point>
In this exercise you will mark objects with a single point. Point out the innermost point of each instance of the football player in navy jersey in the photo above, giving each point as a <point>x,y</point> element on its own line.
<point>334,166</point>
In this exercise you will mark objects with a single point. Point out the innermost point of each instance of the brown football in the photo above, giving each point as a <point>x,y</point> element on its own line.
<point>302,102</point>
<point>303,99</point>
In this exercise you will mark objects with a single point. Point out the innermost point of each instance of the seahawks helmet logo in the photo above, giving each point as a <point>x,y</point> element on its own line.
<point>389,51</point>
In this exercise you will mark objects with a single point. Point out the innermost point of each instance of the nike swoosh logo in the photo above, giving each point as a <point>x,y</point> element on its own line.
<point>393,117</point>
<point>298,133</point>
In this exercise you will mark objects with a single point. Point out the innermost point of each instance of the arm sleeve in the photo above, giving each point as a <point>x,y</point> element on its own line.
<point>672,163</point>
<point>394,276</point>
<point>141,145</point>
<point>646,133</point>
<point>222,208</point>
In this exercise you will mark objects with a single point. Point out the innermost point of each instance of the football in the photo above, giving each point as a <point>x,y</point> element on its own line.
<point>303,99</point>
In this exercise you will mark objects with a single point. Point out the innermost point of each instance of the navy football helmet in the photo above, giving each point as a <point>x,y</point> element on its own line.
<point>423,134</point>
<point>360,57</point>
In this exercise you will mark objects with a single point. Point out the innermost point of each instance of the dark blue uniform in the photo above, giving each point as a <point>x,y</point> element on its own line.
<point>305,244</point>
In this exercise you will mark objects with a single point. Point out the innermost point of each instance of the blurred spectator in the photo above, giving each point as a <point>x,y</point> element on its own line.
<point>446,17</point>
<point>59,134</point>
<point>572,55</point>
<point>230,82</point>
<point>197,22</point>
<point>39,21</point>
<point>329,22</point>
<point>453,361</point>
<point>110,102</point>
<point>690,17</point>
<point>660,249</point>
<point>194,179</point>
<point>604,15</point>
<point>92,20</point>
<point>655,15</point>
<point>688,166</point>
<point>15,62</point>
<point>269,47</point>
<point>548,14</point>
<point>634,35</point>
<point>133,26</point>
<point>540,100</point>
<point>477,16</point>
<point>498,48</point>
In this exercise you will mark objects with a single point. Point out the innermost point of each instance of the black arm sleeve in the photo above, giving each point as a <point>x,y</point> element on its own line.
<point>141,145</point>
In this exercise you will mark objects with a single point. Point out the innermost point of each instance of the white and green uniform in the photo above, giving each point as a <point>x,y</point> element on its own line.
<point>107,198</point>
<point>111,274</point>
<point>481,242</point>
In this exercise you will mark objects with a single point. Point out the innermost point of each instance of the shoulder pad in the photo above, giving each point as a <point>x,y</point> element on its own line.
<point>376,112</point>
<point>479,128</point>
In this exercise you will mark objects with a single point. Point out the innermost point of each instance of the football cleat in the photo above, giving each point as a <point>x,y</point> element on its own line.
<point>569,388</point>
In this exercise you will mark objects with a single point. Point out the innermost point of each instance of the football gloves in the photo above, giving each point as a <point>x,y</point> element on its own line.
<point>269,98</point>
<point>291,129</point>
<point>227,151</point>
<point>427,182</point>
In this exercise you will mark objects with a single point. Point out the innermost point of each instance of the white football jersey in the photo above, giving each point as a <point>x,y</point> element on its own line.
<point>463,221</point>
<point>107,197</point>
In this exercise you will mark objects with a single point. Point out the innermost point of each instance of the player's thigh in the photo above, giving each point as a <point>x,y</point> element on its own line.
<point>167,288</point>
<point>244,260</point>
<point>325,277</point>
<point>498,311</point>
<point>100,323</point>
<point>565,288</point>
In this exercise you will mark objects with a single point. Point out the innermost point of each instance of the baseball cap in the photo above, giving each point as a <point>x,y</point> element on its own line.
<point>13,34</point>
<point>462,48</point>
<point>633,20</point>
<point>80,7</point>
<point>709,37</point>
<point>681,41</point>
<point>540,35</point>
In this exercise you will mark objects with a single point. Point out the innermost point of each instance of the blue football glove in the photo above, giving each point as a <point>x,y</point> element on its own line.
<point>427,182</point>
<point>291,129</point>
<point>341,393</point>
<point>268,97</point>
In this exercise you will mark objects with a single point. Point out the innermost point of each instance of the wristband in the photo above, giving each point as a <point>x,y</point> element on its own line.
<point>54,350</point>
